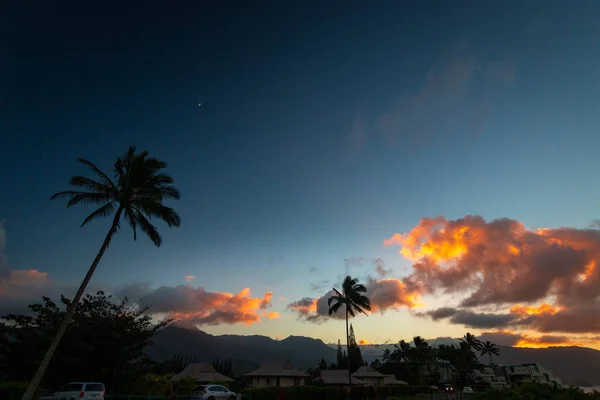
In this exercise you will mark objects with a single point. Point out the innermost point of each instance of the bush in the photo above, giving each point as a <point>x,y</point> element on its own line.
<point>534,392</point>
<point>14,390</point>
<point>185,386</point>
<point>297,393</point>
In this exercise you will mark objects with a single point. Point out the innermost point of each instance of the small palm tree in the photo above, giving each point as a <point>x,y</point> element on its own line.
<point>421,354</point>
<point>353,300</point>
<point>491,349</point>
<point>386,356</point>
<point>136,194</point>
<point>402,353</point>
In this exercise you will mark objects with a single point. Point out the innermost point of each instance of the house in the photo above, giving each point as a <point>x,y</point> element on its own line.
<point>338,377</point>
<point>494,378</point>
<point>369,376</point>
<point>535,372</point>
<point>276,374</point>
<point>390,380</point>
<point>202,373</point>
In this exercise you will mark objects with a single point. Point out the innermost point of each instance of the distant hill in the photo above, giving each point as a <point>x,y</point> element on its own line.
<point>247,352</point>
<point>577,366</point>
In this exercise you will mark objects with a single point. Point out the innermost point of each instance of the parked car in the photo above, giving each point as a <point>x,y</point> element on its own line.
<point>213,392</point>
<point>468,389</point>
<point>448,388</point>
<point>81,391</point>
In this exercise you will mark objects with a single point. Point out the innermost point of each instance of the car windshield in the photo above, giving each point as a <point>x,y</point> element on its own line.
<point>72,387</point>
<point>94,387</point>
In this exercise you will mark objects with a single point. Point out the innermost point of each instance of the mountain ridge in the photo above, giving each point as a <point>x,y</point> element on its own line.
<point>575,365</point>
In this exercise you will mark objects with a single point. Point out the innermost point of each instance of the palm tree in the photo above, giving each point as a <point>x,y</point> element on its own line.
<point>353,300</point>
<point>402,353</point>
<point>491,349</point>
<point>472,341</point>
<point>137,195</point>
<point>386,356</point>
<point>421,354</point>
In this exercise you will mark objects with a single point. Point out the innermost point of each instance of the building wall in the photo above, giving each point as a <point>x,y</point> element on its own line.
<point>374,381</point>
<point>267,381</point>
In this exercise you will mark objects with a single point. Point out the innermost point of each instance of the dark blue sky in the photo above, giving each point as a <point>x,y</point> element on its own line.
<point>324,129</point>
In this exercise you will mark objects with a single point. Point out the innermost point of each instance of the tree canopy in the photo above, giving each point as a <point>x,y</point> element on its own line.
<point>104,342</point>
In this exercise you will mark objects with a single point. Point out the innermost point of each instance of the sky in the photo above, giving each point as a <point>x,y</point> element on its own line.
<point>446,154</point>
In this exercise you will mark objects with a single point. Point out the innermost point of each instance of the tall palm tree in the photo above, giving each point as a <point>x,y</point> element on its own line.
<point>491,349</point>
<point>136,194</point>
<point>353,300</point>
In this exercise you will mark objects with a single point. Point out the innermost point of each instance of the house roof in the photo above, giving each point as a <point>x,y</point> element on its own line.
<point>367,372</point>
<point>277,368</point>
<point>338,377</point>
<point>203,372</point>
<point>391,380</point>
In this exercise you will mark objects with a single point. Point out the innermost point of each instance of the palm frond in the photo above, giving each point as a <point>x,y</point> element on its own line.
<point>333,309</point>
<point>359,288</point>
<point>89,198</point>
<point>89,184</point>
<point>130,217</point>
<point>68,194</point>
<point>350,310</point>
<point>153,209</point>
<point>334,298</point>
<point>148,229</point>
<point>338,292</point>
<point>103,211</point>
<point>98,172</point>
<point>356,307</point>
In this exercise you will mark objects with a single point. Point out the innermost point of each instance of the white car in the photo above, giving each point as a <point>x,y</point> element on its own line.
<point>81,391</point>
<point>468,389</point>
<point>214,392</point>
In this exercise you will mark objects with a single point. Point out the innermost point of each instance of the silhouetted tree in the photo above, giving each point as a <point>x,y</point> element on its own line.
<point>489,348</point>
<point>354,354</point>
<point>136,194</point>
<point>353,300</point>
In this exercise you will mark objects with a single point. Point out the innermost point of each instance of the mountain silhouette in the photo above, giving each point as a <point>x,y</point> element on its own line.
<point>576,366</point>
<point>247,352</point>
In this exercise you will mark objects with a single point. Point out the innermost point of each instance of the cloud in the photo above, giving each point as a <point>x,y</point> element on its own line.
<point>197,306</point>
<point>385,294</point>
<point>364,342</point>
<point>19,287</point>
<point>545,279</point>
<point>516,339</point>
<point>380,269</point>
<point>319,286</point>
<point>189,278</point>
<point>312,270</point>
<point>353,262</point>
<point>458,95</point>
<point>273,315</point>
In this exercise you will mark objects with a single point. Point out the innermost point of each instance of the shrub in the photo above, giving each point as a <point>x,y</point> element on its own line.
<point>534,392</point>
<point>14,390</point>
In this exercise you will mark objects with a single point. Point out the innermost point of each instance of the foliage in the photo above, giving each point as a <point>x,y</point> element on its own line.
<point>137,193</point>
<point>224,367</point>
<point>353,300</point>
<point>355,355</point>
<point>489,348</point>
<point>534,392</point>
<point>104,342</point>
<point>341,357</point>
<point>13,390</point>
<point>298,393</point>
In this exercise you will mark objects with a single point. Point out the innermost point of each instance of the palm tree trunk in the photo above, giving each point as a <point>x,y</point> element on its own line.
<point>490,359</point>
<point>348,349</point>
<point>35,381</point>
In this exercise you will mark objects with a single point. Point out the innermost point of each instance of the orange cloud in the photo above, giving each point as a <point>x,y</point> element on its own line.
<point>196,306</point>
<point>189,278</point>
<point>501,263</point>
<point>364,342</point>
<point>273,315</point>
<point>543,308</point>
